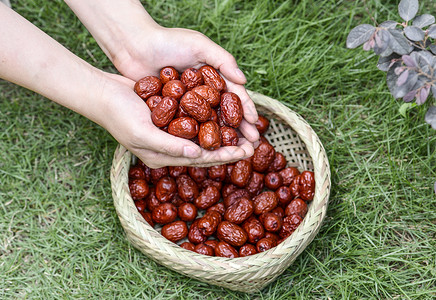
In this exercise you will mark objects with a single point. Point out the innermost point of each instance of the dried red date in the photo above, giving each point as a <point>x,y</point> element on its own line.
<point>254,229</point>
<point>196,106</point>
<point>191,78</point>
<point>139,189</point>
<point>256,184</point>
<point>187,212</point>
<point>195,235</point>
<point>164,112</point>
<point>273,180</point>
<point>167,74</point>
<point>290,224</point>
<point>177,171</point>
<point>233,197</point>
<point>271,222</point>
<point>228,189</point>
<point>209,135</point>
<point>208,93</point>
<point>148,86</point>
<point>197,173</point>
<point>288,174</point>
<point>284,195</point>
<point>153,101</point>
<point>174,89</point>
<point>262,124</point>
<point>211,243</point>
<point>241,173</point>
<point>147,217</point>
<point>164,213</point>
<point>224,249</point>
<point>141,205</point>
<point>247,250</point>
<point>184,127</point>
<point>263,156</point>
<point>156,174</point>
<point>219,207</point>
<point>209,182</point>
<point>187,188</point>
<point>278,163</point>
<point>239,211</point>
<point>136,172</point>
<point>188,246</point>
<point>204,249</point>
<point>209,222</point>
<point>296,207</point>
<point>212,78</point>
<point>307,185</point>
<point>152,201</point>
<point>208,197</point>
<point>231,109</point>
<point>175,231</point>
<point>265,244</point>
<point>217,173</point>
<point>229,136</point>
<point>231,233</point>
<point>166,189</point>
<point>265,202</point>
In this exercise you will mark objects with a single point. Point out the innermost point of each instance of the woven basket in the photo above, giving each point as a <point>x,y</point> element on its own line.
<point>296,140</point>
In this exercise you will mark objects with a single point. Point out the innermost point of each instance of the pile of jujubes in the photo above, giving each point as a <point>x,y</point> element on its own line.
<point>230,210</point>
<point>194,105</point>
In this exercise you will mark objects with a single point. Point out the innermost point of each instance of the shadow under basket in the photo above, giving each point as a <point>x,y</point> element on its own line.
<point>290,134</point>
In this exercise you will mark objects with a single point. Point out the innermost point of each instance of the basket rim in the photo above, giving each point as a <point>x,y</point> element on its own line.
<point>304,233</point>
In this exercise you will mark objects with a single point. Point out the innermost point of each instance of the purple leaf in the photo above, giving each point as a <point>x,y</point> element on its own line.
<point>399,70</point>
<point>409,96</point>
<point>414,33</point>
<point>402,78</point>
<point>359,35</point>
<point>430,116</point>
<point>408,9</point>
<point>420,99</point>
<point>408,61</point>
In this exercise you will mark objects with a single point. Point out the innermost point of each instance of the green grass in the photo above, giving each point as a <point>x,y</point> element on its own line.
<point>60,237</point>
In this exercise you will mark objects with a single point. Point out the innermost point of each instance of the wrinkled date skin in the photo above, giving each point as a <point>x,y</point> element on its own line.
<point>271,222</point>
<point>137,172</point>
<point>141,205</point>
<point>204,249</point>
<point>265,244</point>
<point>184,127</point>
<point>228,189</point>
<point>187,188</point>
<point>224,249</point>
<point>176,171</point>
<point>212,78</point>
<point>278,211</point>
<point>241,173</point>
<point>214,116</point>
<point>254,229</point>
<point>284,195</point>
<point>166,189</point>
<point>262,124</point>
<point>263,156</point>
<point>156,174</point>
<point>229,136</point>
<point>191,78</point>
<point>164,213</point>
<point>187,212</point>
<point>209,135</point>
<point>296,207</point>
<point>217,173</point>
<point>307,185</point>
<point>195,235</point>
<point>167,74</point>
<point>239,211</point>
<point>139,189</point>
<point>197,173</point>
<point>208,182</point>
<point>219,207</point>
<point>188,246</point>
<point>209,222</point>
<point>231,233</point>
<point>278,163</point>
<point>147,217</point>
<point>288,174</point>
<point>256,184</point>
<point>174,89</point>
<point>175,231</point>
<point>290,223</point>
<point>208,197</point>
<point>295,187</point>
<point>208,93</point>
<point>273,180</point>
<point>152,201</point>
<point>164,112</point>
<point>153,101</point>
<point>272,236</point>
<point>265,202</point>
<point>247,250</point>
<point>211,243</point>
<point>233,197</point>
<point>196,106</point>
<point>148,86</point>
<point>231,109</point>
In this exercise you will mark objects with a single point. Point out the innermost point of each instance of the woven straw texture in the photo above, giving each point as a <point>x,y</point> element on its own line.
<point>290,135</point>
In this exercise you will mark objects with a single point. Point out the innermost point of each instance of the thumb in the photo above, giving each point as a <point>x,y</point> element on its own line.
<point>162,142</point>
<point>220,59</point>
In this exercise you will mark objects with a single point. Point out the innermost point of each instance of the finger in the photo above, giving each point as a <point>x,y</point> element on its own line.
<point>249,131</point>
<point>222,60</point>
<point>161,142</point>
<point>250,113</point>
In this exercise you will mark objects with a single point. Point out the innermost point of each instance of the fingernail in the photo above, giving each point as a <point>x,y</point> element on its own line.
<point>240,74</point>
<point>192,152</point>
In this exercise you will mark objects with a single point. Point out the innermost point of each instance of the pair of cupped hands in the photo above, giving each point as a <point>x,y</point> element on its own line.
<point>182,49</point>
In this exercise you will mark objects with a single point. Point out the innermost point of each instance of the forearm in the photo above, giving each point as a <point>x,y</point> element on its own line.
<point>30,58</point>
<point>113,23</point>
